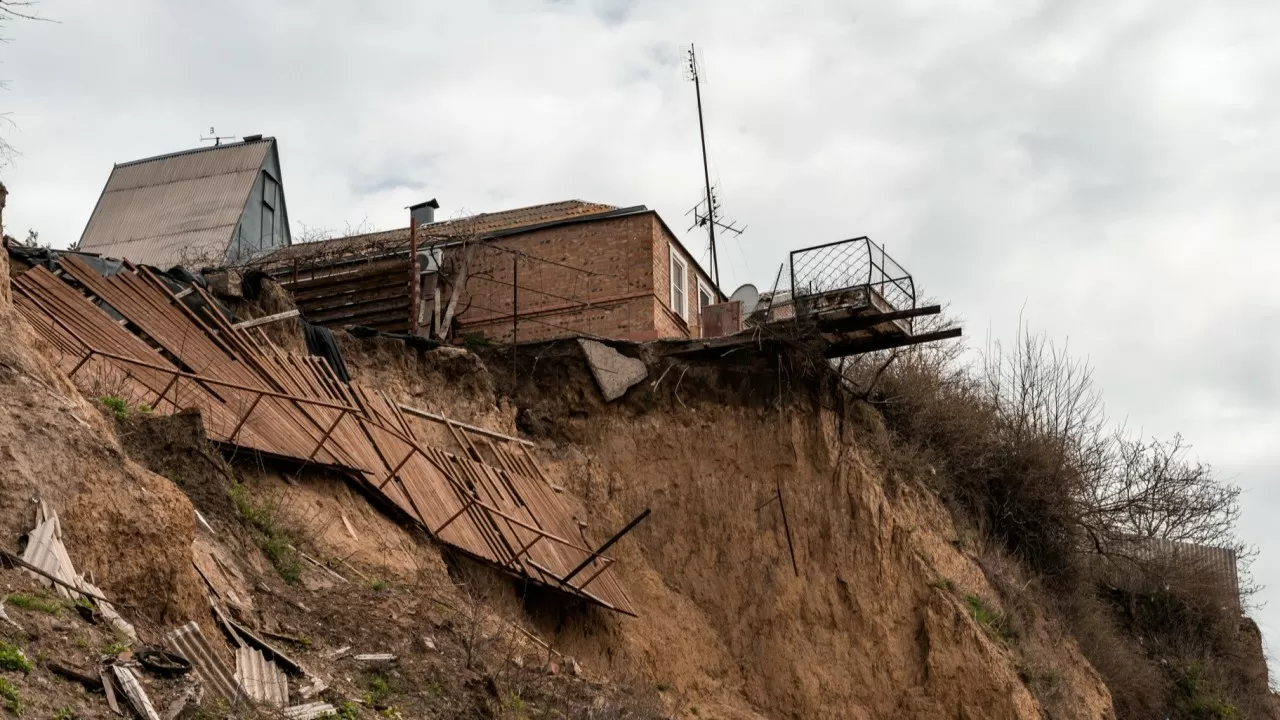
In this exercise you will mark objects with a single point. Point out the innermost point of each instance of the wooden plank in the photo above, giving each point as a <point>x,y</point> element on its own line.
<point>267,320</point>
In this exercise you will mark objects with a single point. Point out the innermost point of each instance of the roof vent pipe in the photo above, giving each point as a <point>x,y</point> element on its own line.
<point>424,213</point>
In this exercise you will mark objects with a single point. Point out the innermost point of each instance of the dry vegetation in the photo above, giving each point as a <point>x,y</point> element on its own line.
<point>1018,444</point>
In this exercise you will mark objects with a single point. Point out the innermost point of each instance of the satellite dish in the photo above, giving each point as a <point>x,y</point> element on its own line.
<point>748,296</point>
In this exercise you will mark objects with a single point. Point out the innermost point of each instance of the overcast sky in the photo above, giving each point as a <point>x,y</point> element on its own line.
<point>1106,168</point>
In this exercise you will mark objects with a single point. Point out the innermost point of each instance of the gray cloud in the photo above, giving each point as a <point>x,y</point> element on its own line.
<point>1105,169</point>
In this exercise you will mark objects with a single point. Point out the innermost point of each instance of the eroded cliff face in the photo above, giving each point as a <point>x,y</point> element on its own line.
<point>886,611</point>
<point>884,614</point>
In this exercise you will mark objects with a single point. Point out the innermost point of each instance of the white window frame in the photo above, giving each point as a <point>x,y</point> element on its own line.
<point>703,289</point>
<point>681,308</point>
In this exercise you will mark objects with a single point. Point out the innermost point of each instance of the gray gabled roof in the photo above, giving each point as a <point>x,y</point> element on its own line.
<point>176,209</point>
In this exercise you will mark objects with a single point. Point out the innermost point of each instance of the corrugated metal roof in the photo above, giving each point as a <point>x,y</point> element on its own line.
<point>474,226</point>
<point>260,678</point>
<point>189,641</point>
<point>182,207</point>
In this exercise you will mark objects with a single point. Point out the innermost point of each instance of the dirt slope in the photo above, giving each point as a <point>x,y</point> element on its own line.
<point>128,527</point>
<point>879,622</point>
<point>876,624</point>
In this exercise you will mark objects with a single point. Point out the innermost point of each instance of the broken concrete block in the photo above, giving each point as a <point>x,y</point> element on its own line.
<point>614,372</point>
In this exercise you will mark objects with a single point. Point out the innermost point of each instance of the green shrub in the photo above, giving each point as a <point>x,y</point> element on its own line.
<point>116,405</point>
<point>12,699</point>
<point>12,658</point>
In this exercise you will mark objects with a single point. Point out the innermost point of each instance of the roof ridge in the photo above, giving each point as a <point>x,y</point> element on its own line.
<point>194,151</point>
<point>522,209</point>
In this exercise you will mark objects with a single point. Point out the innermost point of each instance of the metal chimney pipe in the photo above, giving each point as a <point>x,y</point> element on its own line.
<point>424,212</point>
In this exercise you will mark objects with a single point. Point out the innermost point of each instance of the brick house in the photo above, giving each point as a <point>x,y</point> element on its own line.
<point>535,273</point>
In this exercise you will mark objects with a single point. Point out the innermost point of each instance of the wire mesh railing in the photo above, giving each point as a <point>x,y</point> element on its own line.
<point>856,263</point>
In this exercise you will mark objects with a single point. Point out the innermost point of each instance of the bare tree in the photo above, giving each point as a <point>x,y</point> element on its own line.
<point>1154,490</point>
<point>458,274</point>
<point>13,10</point>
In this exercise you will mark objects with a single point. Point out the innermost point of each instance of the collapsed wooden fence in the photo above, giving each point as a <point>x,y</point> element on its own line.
<point>134,334</point>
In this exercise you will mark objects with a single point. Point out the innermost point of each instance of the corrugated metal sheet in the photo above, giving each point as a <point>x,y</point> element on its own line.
<point>46,551</point>
<point>133,691</point>
<point>309,711</point>
<point>175,208</point>
<point>260,678</point>
<point>189,641</point>
<point>109,612</point>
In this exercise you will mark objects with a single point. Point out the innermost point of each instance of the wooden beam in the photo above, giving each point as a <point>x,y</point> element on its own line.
<point>268,319</point>
<point>885,343</point>
<point>867,321</point>
<point>470,428</point>
<point>608,543</point>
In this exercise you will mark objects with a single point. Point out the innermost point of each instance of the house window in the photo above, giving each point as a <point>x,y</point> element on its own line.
<point>705,297</point>
<point>679,295</point>
<point>270,188</point>
<point>270,198</point>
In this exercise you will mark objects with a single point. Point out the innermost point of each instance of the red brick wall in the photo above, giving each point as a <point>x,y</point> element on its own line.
<point>675,323</point>
<point>619,266</point>
<point>616,255</point>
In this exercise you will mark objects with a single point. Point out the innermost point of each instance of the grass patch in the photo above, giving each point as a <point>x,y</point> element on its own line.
<point>379,585</point>
<point>65,713</point>
<point>35,604</point>
<point>216,709</point>
<point>377,688</point>
<point>268,533</point>
<point>515,706</point>
<point>12,700</point>
<point>116,405</point>
<point>993,621</point>
<point>114,648</point>
<point>944,584</point>
<point>12,658</point>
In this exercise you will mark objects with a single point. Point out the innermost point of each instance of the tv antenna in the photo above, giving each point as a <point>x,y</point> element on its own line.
<point>701,217</point>
<point>215,137</point>
<point>707,212</point>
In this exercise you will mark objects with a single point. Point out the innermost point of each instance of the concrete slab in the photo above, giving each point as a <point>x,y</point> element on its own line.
<point>614,372</point>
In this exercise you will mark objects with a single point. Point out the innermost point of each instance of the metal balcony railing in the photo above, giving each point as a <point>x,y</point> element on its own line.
<point>848,264</point>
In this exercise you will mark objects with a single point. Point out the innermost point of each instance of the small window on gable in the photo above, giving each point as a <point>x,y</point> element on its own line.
<point>268,227</point>
<point>679,290</point>
<point>270,201</point>
<point>270,189</point>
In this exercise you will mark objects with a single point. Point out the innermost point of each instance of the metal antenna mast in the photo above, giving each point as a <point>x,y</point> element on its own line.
<point>711,217</point>
<point>216,138</point>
